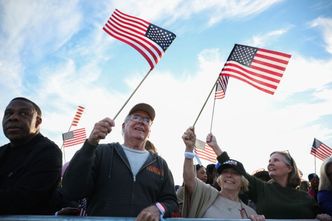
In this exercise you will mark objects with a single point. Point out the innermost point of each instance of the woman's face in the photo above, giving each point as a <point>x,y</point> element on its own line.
<point>230,180</point>
<point>201,174</point>
<point>277,166</point>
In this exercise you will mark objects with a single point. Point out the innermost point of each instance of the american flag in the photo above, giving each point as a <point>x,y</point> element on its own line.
<point>149,40</point>
<point>320,150</point>
<point>204,151</point>
<point>261,68</point>
<point>77,116</point>
<point>74,137</point>
<point>221,87</point>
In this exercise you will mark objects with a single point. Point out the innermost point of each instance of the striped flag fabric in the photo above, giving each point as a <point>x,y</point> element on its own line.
<point>77,116</point>
<point>221,87</point>
<point>148,39</point>
<point>74,137</point>
<point>260,68</point>
<point>204,151</point>
<point>320,150</point>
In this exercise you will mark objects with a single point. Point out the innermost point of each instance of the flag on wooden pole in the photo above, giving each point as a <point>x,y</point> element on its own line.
<point>204,151</point>
<point>320,150</point>
<point>261,68</point>
<point>148,39</point>
<point>74,137</point>
<point>77,116</point>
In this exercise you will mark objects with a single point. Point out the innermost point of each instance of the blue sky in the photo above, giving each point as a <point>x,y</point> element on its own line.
<point>56,54</point>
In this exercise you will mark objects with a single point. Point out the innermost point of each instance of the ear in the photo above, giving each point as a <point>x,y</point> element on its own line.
<point>38,121</point>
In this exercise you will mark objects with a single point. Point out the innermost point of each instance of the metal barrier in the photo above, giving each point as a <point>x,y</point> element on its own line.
<point>97,218</point>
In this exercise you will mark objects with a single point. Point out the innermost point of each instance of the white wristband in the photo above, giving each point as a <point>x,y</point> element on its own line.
<point>161,209</point>
<point>189,155</point>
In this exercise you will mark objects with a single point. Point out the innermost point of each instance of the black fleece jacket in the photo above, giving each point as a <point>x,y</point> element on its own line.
<point>103,175</point>
<point>29,174</point>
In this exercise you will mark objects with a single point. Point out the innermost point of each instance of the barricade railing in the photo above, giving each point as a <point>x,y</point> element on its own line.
<point>98,218</point>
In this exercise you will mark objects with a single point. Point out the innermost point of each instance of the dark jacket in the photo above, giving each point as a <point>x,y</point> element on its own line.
<point>29,174</point>
<point>103,175</point>
<point>277,202</point>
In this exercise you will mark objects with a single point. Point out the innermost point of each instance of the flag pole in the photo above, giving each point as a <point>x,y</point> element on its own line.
<point>205,101</point>
<point>214,104</point>
<point>132,94</point>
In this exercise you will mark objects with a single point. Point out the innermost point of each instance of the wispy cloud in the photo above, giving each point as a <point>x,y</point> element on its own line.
<point>325,24</point>
<point>267,38</point>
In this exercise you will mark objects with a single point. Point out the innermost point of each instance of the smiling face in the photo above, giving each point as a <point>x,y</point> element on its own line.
<point>230,180</point>
<point>278,167</point>
<point>20,122</point>
<point>136,129</point>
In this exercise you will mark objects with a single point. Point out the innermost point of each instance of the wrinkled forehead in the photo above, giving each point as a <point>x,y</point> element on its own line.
<point>141,113</point>
<point>282,157</point>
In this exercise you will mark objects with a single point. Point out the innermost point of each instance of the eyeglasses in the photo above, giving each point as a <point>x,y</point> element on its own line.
<point>139,118</point>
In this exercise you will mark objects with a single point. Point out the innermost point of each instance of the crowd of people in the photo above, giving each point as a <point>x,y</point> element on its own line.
<point>130,179</point>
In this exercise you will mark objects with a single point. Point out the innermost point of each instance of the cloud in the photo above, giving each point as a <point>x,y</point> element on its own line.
<point>325,24</point>
<point>267,38</point>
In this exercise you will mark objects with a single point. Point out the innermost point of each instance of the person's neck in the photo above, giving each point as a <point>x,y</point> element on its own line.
<point>282,181</point>
<point>18,143</point>
<point>231,195</point>
<point>136,145</point>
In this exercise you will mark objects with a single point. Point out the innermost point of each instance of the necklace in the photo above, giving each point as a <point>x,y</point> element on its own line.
<point>243,212</point>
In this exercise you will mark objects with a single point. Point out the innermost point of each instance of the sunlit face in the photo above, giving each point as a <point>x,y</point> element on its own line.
<point>277,166</point>
<point>230,179</point>
<point>20,121</point>
<point>201,174</point>
<point>137,126</point>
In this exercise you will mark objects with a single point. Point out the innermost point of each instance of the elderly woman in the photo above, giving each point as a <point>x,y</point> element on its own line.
<point>324,195</point>
<point>201,200</point>
<point>278,198</point>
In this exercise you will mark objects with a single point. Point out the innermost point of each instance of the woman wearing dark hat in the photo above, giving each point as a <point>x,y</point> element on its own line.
<point>278,198</point>
<point>201,200</point>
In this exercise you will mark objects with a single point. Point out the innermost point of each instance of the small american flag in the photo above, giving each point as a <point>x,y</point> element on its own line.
<point>261,68</point>
<point>204,151</point>
<point>320,150</point>
<point>74,137</point>
<point>221,87</point>
<point>149,40</point>
<point>77,116</point>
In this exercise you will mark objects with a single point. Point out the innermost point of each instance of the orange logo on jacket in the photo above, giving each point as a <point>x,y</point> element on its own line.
<point>154,169</point>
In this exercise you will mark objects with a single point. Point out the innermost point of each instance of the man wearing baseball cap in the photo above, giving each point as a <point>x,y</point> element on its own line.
<point>122,180</point>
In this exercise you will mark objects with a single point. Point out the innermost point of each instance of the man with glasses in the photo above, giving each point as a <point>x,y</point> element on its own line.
<point>122,180</point>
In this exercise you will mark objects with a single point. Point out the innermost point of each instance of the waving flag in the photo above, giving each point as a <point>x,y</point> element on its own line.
<point>149,40</point>
<point>74,137</point>
<point>77,116</point>
<point>258,67</point>
<point>221,87</point>
<point>204,151</point>
<point>320,150</point>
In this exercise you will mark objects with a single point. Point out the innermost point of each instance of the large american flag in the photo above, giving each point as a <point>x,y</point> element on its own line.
<point>77,116</point>
<point>261,68</point>
<point>204,151</point>
<point>149,40</point>
<point>320,150</point>
<point>74,137</point>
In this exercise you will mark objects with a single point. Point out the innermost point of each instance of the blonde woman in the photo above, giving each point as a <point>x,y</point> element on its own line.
<point>201,200</point>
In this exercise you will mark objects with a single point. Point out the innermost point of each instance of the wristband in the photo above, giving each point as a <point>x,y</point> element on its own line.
<point>161,209</point>
<point>189,155</point>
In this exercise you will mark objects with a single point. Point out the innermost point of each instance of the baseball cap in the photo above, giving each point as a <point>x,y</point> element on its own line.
<point>236,165</point>
<point>143,107</point>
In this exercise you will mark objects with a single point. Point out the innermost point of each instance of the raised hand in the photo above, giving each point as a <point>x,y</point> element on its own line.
<point>100,130</point>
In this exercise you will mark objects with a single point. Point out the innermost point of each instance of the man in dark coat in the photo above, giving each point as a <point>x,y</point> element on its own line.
<point>30,165</point>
